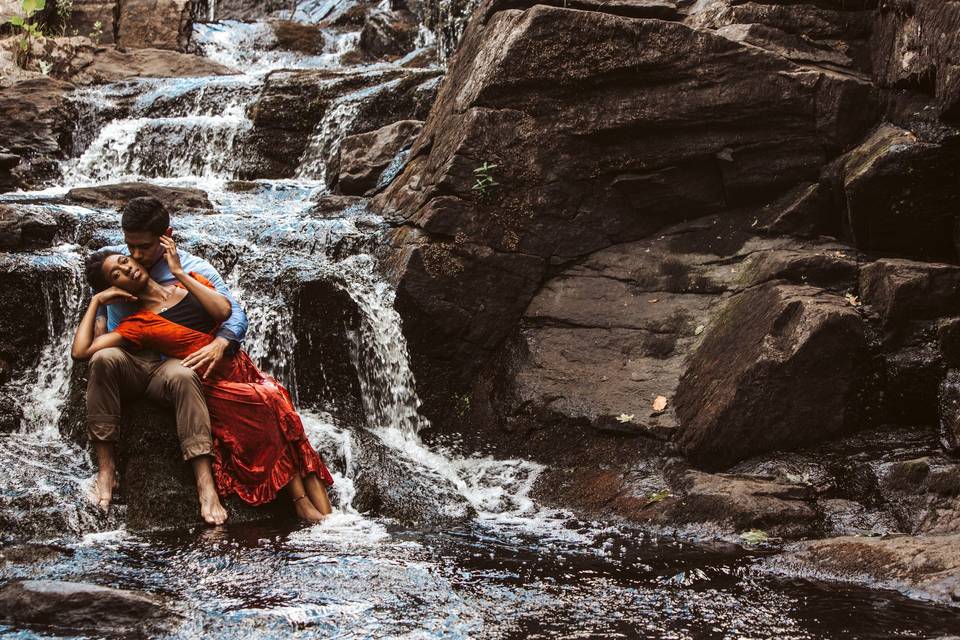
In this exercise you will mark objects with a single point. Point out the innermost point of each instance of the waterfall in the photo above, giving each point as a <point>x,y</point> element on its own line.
<point>379,352</point>
<point>45,388</point>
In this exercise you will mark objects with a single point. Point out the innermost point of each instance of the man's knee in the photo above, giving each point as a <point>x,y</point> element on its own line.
<point>179,378</point>
<point>109,359</point>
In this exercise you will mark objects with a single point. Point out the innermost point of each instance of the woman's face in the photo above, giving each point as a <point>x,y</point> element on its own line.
<point>125,272</point>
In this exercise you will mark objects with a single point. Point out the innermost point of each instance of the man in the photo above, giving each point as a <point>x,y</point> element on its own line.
<point>117,373</point>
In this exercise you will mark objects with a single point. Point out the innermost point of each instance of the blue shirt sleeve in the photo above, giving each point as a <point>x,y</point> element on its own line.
<point>233,328</point>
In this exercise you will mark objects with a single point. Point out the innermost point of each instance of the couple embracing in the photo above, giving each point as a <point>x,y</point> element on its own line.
<point>161,324</point>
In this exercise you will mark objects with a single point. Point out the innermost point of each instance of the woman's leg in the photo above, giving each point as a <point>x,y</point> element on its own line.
<point>302,502</point>
<point>317,493</point>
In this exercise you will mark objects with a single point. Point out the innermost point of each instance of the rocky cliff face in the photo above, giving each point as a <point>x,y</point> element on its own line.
<point>642,229</point>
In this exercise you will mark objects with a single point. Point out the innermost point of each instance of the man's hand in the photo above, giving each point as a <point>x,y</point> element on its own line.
<point>173,258</point>
<point>207,358</point>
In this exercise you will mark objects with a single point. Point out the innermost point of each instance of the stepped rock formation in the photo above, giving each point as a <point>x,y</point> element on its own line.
<point>631,228</point>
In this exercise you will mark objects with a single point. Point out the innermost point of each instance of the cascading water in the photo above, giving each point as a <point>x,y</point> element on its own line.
<point>517,570</point>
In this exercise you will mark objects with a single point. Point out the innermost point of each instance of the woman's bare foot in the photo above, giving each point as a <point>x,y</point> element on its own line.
<point>317,493</point>
<point>306,511</point>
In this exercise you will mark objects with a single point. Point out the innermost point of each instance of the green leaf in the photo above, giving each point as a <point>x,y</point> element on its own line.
<point>754,536</point>
<point>16,21</point>
<point>30,7</point>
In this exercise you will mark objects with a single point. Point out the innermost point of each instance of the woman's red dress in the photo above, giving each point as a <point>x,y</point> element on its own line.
<point>258,440</point>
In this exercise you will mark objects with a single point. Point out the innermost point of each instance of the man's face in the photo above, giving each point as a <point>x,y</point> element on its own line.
<point>144,247</point>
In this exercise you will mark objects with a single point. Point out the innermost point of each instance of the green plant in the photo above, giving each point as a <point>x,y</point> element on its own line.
<point>484,178</point>
<point>64,11</point>
<point>28,28</point>
<point>97,32</point>
<point>754,536</point>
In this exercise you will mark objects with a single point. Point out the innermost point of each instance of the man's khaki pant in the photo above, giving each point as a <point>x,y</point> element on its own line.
<point>116,373</point>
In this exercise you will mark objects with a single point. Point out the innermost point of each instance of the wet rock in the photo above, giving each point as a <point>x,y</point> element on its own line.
<point>915,48</point>
<point>735,502</point>
<point>898,195</point>
<point>388,34</point>
<point>949,411</point>
<point>761,380</point>
<point>113,65</point>
<point>158,486</point>
<point>36,127</point>
<point>393,486</point>
<point>325,374</point>
<point>911,383</point>
<point>22,229</point>
<point>586,156</point>
<point>364,157</point>
<point>81,607</point>
<point>244,10</point>
<point>901,290</point>
<point>8,162</point>
<point>10,414</point>
<point>923,494</point>
<point>924,566</point>
<point>800,31</point>
<point>28,288</point>
<point>292,103</point>
<point>298,37</point>
<point>803,211</point>
<point>154,24</point>
<point>117,195</point>
<point>847,517</point>
<point>333,206</point>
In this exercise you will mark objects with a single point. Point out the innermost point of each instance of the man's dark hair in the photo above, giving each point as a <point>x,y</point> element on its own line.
<point>94,268</point>
<point>145,214</point>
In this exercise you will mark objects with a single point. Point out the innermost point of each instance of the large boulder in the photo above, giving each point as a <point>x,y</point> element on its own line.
<point>532,157</point>
<point>781,366</point>
<point>902,291</point>
<point>159,487</point>
<point>25,228</point>
<point>388,34</point>
<point>917,46</point>
<point>113,65</point>
<point>36,128</point>
<point>897,191</point>
<point>154,24</point>
<point>365,156</point>
<point>59,607</point>
<point>949,411</point>
<point>392,485</point>
<point>117,195</point>
<point>736,503</point>
<point>927,566</point>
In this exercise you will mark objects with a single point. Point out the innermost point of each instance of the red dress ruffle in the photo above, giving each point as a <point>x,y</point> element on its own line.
<point>258,439</point>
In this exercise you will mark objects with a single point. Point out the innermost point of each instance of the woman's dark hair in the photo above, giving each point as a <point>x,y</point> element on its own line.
<point>145,214</point>
<point>94,268</point>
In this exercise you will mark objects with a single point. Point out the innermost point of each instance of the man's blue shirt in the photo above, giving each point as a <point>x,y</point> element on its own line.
<point>233,328</point>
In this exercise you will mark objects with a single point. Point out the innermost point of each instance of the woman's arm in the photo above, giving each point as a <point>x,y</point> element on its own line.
<point>84,342</point>
<point>212,301</point>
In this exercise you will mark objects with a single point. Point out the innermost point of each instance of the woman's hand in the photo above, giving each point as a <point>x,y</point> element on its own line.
<point>170,253</point>
<point>114,295</point>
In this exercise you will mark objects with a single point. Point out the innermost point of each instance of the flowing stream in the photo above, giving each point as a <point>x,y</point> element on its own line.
<point>515,570</point>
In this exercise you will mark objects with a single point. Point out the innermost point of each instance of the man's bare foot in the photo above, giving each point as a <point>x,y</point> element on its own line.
<point>103,486</point>
<point>306,511</point>
<point>211,509</point>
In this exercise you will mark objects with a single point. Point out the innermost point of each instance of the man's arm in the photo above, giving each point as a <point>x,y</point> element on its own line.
<point>234,328</point>
<point>231,332</point>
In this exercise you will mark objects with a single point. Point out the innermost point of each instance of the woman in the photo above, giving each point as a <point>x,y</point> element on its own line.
<point>259,443</point>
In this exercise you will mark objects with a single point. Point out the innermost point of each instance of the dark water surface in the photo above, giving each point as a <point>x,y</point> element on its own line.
<point>355,578</point>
